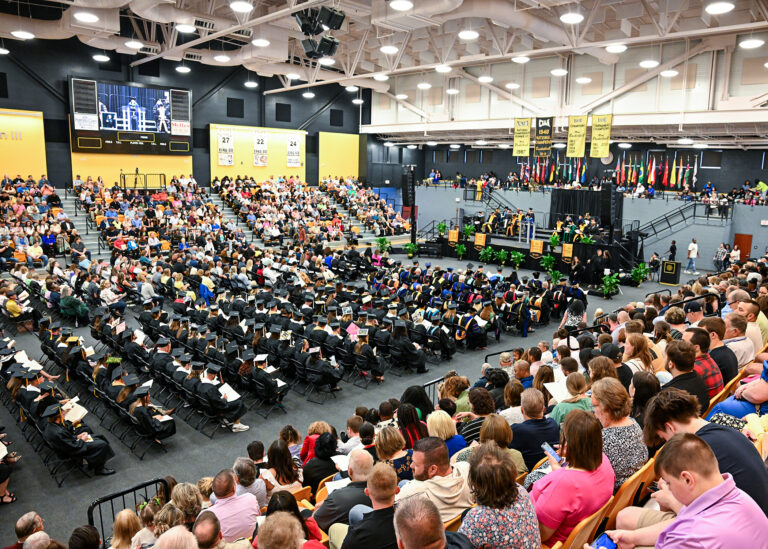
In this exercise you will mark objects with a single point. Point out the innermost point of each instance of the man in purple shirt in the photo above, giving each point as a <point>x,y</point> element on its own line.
<point>237,514</point>
<point>716,514</point>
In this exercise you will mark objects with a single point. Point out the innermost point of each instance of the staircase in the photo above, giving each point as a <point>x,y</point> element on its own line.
<point>691,213</point>
<point>90,236</point>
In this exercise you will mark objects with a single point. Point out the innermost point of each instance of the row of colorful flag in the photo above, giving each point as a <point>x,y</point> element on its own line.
<point>548,170</point>
<point>642,174</point>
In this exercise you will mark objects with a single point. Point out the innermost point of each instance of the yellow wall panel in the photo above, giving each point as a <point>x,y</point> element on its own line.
<point>22,143</point>
<point>108,166</point>
<point>339,155</point>
<point>242,137</point>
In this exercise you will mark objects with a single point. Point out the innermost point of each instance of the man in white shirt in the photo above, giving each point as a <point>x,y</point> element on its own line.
<point>749,310</point>
<point>736,339</point>
<point>693,254</point>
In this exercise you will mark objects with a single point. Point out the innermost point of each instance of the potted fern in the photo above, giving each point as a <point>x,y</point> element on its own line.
<point>554,241</point>
<point>461,250</point>
<point>555,275</point>
<point>441,227</point>
<point>640,273</point>
<point>587,240</point>
<point>610,285</point>
<point>516,259</point>
<point>468,230</point>
<point>383,244</point>
<point>411,248</point>
<point>547,262</point>
<point>487,254</point>
<point>502,256</point>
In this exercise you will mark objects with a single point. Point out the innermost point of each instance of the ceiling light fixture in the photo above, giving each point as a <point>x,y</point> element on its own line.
<point>443,68</point>
<point>183,69</point>
<point>411,147</point>
<point>685,141</point>
<point>452,91</point>
<point>481,142</point>
<point>616,48</point>
<point>251,84</point>
<point>700,146</point>
<point>583,80</point>
<point>571,18</point>
<point>558,72</point>
<point>512,85</point>
<point>101,58</point>
<point>431,143</point>
<point>401,5</point>
<point>649,63</point>
<point>292,76</point>
<point>308,95</point>
<point>521,59</point>
<point>358,101</point>
<point>240,6</point>
<point>4,51</point>
<point>455,146</point>
<point>625,145</point>
<point>351,88</point>
<point>86,17</point>
<point>468,34</point>
<point>134,44</point>
<point>260,42</point>
<point>669,73</point>
<point>221,58</point>
<point>183,28</point>
<point>388,144</point>
<point>485,79</point>
<point>388,49</point>
<point>326,61</point>
<point>559,145</point>
<point>22,34</point>
<point>423,85</point>
<point>718,8</point>
<point>751,43</point>
<point>380,77</point>
<point>401,96</point>
<point>503,145</point>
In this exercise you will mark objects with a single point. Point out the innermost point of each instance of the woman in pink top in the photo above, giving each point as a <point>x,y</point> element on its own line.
<point>578,486</point>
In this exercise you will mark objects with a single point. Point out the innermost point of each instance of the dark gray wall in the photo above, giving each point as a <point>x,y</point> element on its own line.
<point>37,73</point>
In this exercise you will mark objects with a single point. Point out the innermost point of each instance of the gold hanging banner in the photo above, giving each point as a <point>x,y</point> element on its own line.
<point>567,253</point>
<point>601,135</point>
<point>543,145</point>
<point>577,136</point>
<point>479,241</point>
<point>453,237</point>
<point>522,133</point>
<point>537,248</point>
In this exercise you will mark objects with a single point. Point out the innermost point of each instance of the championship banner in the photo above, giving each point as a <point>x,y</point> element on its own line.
<point>453,237</point>
<point>601,135</point>
<point>522,135</point>
<point>543,145</point>
<point>567,253</point>
<point>226,147</point>
<point>260,149</point>
<point>479,241</point>
<point>577,136</point>
<point>293,157</point>
<point>537,248</point>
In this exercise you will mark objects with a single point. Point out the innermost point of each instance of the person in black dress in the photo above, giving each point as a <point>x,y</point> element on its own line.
<point>80,444</point>
<point>365,359</point>
<point>321,372</point>
<point>411,355</point>
<point>150,418</point>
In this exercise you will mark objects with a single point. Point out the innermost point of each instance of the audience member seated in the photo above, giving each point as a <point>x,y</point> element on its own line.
<point>441,425</point>
<point>285,502</point>
<point>528,436</point>
<point>237,514</point>
<point>336,507</point>
<point>282,530</point>
<point>320,466</point>
<point>495,429</point>
<point>680,363</point>
<point>390,449</point>
<point>282,473</point>
<point>577,388</point>
<point>207,531</point>
<point>419,524</point>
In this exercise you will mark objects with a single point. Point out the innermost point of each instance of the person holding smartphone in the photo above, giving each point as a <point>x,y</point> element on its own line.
<point>578,487</point>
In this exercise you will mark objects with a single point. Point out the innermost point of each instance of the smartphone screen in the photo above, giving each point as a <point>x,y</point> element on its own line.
<point>551,451</point>
<point>604,542</point>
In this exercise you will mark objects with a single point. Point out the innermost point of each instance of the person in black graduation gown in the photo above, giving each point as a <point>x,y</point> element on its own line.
<point>192,381</point>
<point>149,416</point>
<point>182,371</point>
<point>162,355</point>
<point>135,352</point>
<point>127,395</point>
<point>321,372</point>
<point>231,412</point>
<point>411,355</point>
<point>60,434</point>
<point>268,389</point>
<point>365,359</point>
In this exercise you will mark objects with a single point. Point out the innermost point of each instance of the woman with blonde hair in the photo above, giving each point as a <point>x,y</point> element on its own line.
<point>166,518</point>
<point>442,426</point>
<point>390,448</point>
<point>637,354</point>
<point>577,388</point>
<point>126,526</point>
<point>495,429</point>
<point>457,389</point>
<point>187,498</point>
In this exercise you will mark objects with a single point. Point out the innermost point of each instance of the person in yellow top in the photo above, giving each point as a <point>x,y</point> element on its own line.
<point>34,251</point>
<point>19,313</point>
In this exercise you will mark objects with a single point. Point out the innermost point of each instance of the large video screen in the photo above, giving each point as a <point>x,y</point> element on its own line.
<point>113,117</point>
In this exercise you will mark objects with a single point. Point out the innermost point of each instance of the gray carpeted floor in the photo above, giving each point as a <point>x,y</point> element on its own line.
<point>192,455</point>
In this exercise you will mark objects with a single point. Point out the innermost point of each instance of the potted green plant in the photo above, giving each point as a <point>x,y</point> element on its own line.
<point>516,259</point>
<point>411,248</point>
<point>461,251</point>
<point>547,262</point>
<point>555,275</point>
<point>502,256</point>
<point>587,240</point>
<point>640,273</point>
<point>441,227</point>
<point>383,244</point>
<point>487,254</point>
<point>610,285</point>
<point>468,230</point>
<point>554,241</point>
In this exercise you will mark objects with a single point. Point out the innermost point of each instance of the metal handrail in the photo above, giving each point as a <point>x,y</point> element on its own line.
<point>111,499</point>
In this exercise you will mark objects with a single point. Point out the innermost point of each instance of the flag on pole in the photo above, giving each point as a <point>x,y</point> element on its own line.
<point>652,173</point>
<point>618,171</point>
<point>527,170</point>
<point>642,173</point>
<point>680,175</point>
<point>522,170</point>
<point>552,172</point>
<point>623,171</point>
<point>584,172</point>
<point>695,168</point>
<point>673,179</point>
<point>665,181</point>
<point>634,177</point>
<point>631,172</point>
